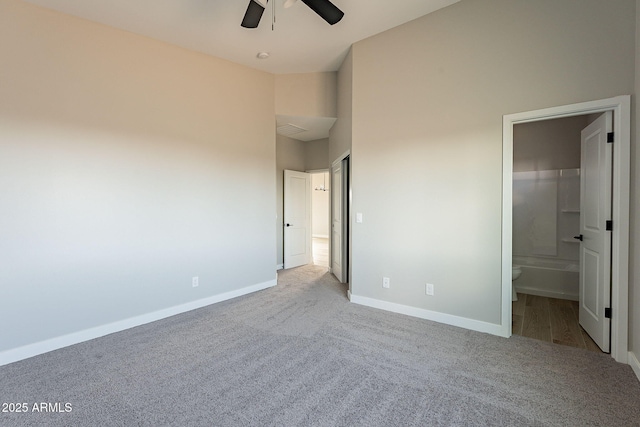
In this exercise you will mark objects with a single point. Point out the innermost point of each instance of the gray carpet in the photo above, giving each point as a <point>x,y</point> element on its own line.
<point>300,354</point>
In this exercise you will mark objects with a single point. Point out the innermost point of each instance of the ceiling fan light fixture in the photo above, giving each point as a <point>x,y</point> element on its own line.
<point>262,55</point>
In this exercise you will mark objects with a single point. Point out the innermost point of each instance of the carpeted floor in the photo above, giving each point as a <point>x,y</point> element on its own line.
<point>300,354</point>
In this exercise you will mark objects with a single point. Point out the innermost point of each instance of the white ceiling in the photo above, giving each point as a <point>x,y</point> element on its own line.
<point>302,42</point>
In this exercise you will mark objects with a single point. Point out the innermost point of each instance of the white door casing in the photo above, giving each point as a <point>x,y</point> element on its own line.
<point>595,247</point>
<point>297,218</point>
<point>621,107</point>
<point>336,221</point>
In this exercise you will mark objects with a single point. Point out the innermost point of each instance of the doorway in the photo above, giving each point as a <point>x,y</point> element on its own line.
<point>548,208</point>
<point>340,218</point>
<point>320,223</point>
<point>620,106</point>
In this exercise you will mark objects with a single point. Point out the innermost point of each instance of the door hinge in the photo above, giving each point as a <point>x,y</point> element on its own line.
<point>609,225</point>
<point>610,137</point>
<point>607,313</point>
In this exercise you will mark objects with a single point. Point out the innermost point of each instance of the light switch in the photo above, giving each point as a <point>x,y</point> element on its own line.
<point>359,218</point>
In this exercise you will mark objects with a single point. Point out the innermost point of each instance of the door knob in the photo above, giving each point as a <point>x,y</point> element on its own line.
<point>578,237</point>
<point>288,225</point>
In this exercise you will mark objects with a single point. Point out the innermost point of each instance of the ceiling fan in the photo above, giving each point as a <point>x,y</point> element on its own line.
<point>324,8</point>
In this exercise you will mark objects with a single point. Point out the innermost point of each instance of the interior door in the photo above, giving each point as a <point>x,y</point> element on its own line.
<point>336,222</point>
<point>595,247</point>
<point>297,218</point>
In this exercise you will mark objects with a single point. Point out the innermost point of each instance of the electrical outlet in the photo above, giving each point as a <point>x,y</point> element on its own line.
<point>386,282</point>
<point>429,289</point>
<point>194,281</point>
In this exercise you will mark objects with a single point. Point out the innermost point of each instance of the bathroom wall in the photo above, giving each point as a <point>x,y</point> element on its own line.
<point>546,213</point>
<point>548,144</point>
<point>546,187</point>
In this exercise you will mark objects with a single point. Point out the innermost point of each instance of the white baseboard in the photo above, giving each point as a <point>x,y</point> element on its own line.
<point>30,350</point>
<point>635,364</point>
<point>548,294</point>
<point>279,267</point>
<point>448,319</point>
<point>320,236</point>
<point>349,294</point>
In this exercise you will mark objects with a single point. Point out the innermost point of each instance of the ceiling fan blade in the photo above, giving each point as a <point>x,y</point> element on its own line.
<point>327,10</point>
<point>289,3</point>
<point>252,15</point>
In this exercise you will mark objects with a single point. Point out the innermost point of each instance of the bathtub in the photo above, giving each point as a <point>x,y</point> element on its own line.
<point>548,277</point>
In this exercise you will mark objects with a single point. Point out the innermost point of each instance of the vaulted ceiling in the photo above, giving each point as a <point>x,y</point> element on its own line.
<point>299,42</point>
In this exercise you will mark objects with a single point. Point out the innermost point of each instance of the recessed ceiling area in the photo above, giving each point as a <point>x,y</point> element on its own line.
<point>304,128</point>
<point>300,41</point>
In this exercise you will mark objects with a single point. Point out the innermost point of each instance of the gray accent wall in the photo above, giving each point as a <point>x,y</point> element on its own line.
<point>428,102</point>
<point>127,167</point>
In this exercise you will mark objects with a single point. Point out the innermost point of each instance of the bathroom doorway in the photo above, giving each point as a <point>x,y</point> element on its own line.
<point>546,217</point>
<point>550,245</point>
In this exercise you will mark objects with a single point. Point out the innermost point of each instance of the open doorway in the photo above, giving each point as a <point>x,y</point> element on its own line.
<point>320,197</point>
<point>620,107</point>
<point>547,215</point>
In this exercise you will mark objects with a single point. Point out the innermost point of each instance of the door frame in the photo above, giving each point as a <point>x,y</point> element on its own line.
<point>346,243</point>
<point>621,107</point>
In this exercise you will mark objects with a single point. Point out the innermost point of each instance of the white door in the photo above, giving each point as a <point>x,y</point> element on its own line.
<point>297,218</point>
<point>336,222</point>
<point>595,248</point>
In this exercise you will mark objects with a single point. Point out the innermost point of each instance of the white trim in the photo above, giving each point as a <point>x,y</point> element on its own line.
<point>635,364</point>
<point>320,236</point>
<point>447,319</point>
<point>546,293</point>
<point>279,267</point>
<point>621,106</point>
<point>340,158</point>
<point>349,295</point>
<point>30,350</point>
<point>312,171</point>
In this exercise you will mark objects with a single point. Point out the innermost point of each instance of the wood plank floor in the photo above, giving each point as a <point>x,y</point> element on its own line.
<point>320,251</point>
<point>550,319</point>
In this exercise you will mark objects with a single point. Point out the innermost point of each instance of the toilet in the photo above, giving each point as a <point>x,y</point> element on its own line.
<point>516,271</point>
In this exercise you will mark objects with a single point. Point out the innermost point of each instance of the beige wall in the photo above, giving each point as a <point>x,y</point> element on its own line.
<point>548,145</point>
<point>428,102</point>
<point>340,133</point>
<point>634,279</point>
<point>124,172</point>
<point>306,94</point>
<point>316,154</point>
